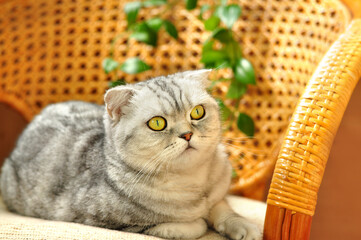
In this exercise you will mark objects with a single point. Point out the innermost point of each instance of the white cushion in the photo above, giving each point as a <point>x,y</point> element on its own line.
<point>13,226</point>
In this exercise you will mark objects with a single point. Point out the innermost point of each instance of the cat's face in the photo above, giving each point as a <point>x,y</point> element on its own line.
<point>168,123</point>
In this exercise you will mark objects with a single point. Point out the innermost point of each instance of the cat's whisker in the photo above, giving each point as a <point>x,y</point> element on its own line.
<point>147,146</point>
<point>140,173</point>
<point>254,152</point>
<point>155,171</point>
<point>147,164</point>
<point>156,161</point>
<point>238,138</point>
<point>241,147</point>
<point>228,141</point>
<point>167,168</point>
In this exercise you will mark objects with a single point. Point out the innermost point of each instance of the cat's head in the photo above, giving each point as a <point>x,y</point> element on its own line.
<point>166,122</point>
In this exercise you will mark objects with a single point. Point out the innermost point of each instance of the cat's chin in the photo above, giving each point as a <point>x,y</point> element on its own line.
<point>189,150</point>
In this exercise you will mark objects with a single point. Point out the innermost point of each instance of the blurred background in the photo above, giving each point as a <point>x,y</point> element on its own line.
<point>338,209</point>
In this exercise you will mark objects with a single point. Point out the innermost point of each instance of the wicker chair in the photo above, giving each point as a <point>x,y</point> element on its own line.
<point>306,54</point>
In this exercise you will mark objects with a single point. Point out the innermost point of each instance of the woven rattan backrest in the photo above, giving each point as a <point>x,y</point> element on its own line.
<point>51,51</point>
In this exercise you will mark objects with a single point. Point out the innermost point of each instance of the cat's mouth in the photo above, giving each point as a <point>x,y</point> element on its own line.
<point>190,147</point>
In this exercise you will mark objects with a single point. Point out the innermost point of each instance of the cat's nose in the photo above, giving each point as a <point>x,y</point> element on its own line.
<point>186,136</point>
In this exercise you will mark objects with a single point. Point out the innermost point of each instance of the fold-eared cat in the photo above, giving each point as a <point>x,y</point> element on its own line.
<point>150,161</point>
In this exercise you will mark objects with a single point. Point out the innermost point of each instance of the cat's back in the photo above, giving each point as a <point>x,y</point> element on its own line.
<point>57,118</point>
<point>58,124</point>
<point>74,114</point>
<point>55,141</point>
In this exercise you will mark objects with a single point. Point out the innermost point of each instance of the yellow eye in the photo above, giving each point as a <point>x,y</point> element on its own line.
<point>157,123</point>
<point>198,112</point>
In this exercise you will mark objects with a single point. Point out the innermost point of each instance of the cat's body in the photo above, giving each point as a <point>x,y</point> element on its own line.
<point>77,162</point>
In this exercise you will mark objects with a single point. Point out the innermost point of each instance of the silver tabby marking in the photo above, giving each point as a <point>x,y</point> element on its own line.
<point>81,162</point>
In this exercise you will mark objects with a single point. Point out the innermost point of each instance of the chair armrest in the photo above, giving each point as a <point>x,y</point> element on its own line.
<point>303,156</point>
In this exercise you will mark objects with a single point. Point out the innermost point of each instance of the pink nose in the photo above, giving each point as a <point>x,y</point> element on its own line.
<point>187,136</point>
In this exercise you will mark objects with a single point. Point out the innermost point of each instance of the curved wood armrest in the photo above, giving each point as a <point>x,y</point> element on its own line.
<point>306,147</point>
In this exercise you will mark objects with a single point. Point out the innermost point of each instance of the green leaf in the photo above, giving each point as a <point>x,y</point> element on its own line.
<point>223,35</point>
<point>109,65</point>
<point>134,65</point>
<point>233,51</point>
<point>225,111</point>
<point>222,64</point>
<point>191,4</point>
<point>155,24</point>
<point>119,82</point>
<point>236,90</point>
<point>228,14</point>
<point>209,65</point>
<point>131,9</point>
<point>245,124</point>
<point>211,23</point>
<point>152,3</point>
<point>143,33</point>
<point>204,8</point>
<point>171,29</point>
<point>207,45</point>
<point>244,72</point>
<point>213,56</point>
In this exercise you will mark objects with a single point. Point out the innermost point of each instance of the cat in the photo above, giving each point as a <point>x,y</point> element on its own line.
<point>150,161</point>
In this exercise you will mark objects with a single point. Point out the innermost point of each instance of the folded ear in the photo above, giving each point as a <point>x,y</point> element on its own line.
<point>199,75</point>
<point>116,99</point>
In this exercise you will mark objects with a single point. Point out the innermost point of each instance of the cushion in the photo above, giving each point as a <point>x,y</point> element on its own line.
<point>14,226</point>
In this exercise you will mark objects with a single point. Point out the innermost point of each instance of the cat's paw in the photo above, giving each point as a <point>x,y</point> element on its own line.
<point>187,230</point>
<point>238,228</point>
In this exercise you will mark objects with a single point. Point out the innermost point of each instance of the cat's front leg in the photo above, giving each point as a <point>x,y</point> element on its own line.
<point>225,221</point>
<point>188,230</point>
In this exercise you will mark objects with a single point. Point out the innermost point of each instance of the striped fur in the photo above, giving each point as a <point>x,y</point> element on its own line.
<point>77,162</point>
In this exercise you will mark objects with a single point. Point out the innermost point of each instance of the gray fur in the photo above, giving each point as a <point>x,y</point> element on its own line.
<point>77,162</point>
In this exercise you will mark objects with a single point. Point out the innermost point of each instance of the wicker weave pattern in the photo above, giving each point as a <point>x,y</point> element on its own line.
<point>308,141</point>
<point>51,51</point>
